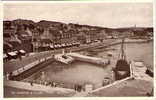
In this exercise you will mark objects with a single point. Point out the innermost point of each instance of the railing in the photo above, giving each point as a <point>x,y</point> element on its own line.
<point>29,66</point>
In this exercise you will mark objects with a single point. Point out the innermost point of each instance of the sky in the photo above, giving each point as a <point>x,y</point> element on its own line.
<point>97,14</point>
<point>1,11</point>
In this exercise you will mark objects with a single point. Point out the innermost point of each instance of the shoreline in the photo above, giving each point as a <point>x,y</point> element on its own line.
<point>114,43</point>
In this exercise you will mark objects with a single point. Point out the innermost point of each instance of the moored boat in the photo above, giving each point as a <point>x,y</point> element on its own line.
<point>122,69</point>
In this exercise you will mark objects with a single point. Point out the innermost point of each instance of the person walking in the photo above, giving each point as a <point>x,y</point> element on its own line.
<point>31,83</point>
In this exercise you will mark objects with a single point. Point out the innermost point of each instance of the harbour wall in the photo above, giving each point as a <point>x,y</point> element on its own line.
<point>29,69</point>
<point>94,60</point>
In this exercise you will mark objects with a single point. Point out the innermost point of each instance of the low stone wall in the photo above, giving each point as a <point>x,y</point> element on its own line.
<point>114,83</point>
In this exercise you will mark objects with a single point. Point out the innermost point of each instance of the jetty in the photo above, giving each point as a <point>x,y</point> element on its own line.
<point>89,59</point>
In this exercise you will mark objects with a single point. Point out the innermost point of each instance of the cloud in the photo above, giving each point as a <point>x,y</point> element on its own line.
<point>100,14</point>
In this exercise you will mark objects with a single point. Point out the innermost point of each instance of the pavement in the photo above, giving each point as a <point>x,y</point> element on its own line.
<point>127,88</point>
<point>81,94</point>
<point>38,88</point>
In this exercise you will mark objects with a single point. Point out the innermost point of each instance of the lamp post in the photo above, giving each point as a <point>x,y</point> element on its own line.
<point>32,40</point>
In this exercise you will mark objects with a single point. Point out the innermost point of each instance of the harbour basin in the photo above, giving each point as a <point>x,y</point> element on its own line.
<point>83,73</point>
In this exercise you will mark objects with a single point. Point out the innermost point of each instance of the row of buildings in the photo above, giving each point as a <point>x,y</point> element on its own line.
<point>31,36</point>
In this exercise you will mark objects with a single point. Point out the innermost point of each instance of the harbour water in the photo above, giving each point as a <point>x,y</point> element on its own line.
<point>83,73</point>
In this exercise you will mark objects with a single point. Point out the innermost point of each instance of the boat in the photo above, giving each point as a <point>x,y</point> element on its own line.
<point>150,72</point>
<point>64,58</point>
<point>122,68</point>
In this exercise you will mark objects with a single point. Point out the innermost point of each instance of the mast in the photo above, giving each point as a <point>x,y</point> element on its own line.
<point>122,52</point>
<point>122,64</point>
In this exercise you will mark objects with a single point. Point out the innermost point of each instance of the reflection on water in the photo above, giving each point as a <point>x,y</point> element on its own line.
<point>82,72</point>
